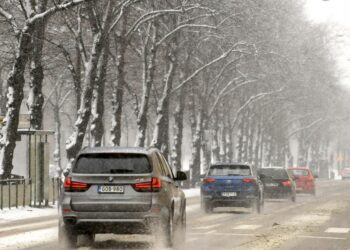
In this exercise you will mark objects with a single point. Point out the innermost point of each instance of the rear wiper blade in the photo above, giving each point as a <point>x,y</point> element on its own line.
<point>118,171</point>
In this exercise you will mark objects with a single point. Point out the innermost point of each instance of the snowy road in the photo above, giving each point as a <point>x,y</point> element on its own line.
<point>320,222</point>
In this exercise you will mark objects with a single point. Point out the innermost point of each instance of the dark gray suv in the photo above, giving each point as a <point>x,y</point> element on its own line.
<point>121,191</point>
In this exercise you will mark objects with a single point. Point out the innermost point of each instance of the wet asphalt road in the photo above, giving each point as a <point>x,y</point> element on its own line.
<point>321,222</point>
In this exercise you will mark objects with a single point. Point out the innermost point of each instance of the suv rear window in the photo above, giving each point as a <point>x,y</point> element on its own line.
<point>112,164</point>
<point>275,173</point>
<point>299,172</point>
<point>222,170</point>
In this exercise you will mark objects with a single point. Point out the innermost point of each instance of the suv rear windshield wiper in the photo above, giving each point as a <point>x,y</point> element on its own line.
<point>120,171</point>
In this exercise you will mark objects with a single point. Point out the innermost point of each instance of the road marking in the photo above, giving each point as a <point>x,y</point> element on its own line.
<point>206,227</point>
<point>247,227</point>
<point>211,232</point>
<point>338,230</point>
<point>321,237</point>
<point>192,239</point>
<point>5,229</point>
<point>223,234</point>
<point>214,217</point>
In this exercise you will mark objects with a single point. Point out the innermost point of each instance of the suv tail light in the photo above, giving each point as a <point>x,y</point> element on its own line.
<point>150,186</point>
<point>74,186</point>
<point>248,180</point>
<point>208,180</point>
<point>287,183</point>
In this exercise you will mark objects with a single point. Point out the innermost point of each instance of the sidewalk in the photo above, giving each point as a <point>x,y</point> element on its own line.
<point>26,213</point>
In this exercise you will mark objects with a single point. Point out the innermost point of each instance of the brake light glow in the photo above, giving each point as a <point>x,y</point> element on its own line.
<point>249,180</point>
<point>74,186</point>
<point>208,180</point>
<point>150,186</point>
<point>287,183</point>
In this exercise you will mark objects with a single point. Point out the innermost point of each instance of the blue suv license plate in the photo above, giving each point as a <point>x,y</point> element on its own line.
<point>111,189</point>
<point>229,194</point>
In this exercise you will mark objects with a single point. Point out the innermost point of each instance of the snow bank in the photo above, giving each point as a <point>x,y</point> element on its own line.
<point>13,214</point>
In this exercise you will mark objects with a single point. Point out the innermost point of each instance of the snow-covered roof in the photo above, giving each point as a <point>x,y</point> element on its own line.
<point>101,150</point>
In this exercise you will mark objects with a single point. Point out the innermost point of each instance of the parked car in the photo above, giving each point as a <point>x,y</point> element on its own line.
<point>231,185</point>
<point>278,184</point>
<point>121,191</point>
<point>304,180</point>
<point>345,173</point>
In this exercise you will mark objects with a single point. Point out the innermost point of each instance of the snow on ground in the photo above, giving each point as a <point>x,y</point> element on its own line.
<point>192,192</point>
<point>28,239</point>
<point>13,214</point>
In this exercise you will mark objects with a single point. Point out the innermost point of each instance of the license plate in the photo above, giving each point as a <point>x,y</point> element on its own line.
<point>271,184</point>
<point>111,189</point>
<point>229,194</point>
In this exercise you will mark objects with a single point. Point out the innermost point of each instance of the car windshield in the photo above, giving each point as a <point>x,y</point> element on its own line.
<point>299,172</point>
<point>112,164</point>
<point>225,170</point>
<point>274,173</point>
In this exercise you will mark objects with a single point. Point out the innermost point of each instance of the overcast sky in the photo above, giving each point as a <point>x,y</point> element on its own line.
<point>335,13</point>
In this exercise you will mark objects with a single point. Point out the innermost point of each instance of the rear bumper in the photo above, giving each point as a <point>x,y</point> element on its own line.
<point>113,222</point>
<point>305,188</point>
<point>243,199</point>
<point>277,193</point>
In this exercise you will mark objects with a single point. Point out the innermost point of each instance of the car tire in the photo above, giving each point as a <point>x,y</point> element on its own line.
<point>169,230</point>
<point>294,198</point>
<point>180,233</point>
<point>256,206</point>
<point>86,240</point>
<point>207,207</point>
<point>262,200</point>
<point>67,237</point>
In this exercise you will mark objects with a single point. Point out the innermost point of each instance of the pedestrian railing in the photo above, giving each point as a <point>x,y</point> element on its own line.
<point>20,192</point>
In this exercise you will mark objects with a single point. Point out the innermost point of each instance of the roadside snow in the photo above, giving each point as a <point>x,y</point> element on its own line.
<point>14,214</point>
<point>192,192</point>
<point>28,239</point>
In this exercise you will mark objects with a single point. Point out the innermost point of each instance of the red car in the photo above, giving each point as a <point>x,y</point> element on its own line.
<point>305,181</point>
<point>345,173</point>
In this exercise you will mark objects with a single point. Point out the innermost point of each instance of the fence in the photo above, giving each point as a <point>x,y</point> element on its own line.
<point>19,193</point>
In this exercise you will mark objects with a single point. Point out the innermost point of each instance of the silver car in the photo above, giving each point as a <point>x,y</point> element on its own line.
<point>121,191</point>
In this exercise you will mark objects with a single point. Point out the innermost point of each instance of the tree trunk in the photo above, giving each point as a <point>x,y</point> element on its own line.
<point>15,83</point>
<point>77,77</point>
<point>215,150</point>
<point>178,130</point>
<point>148,77</point>
<point>35,96</point>
<point>118,90</point>
<point>196,121</point>
<point>100,34</point>
<point>57,152</point>
<point>97,128</point>
<point>2,95</point>
<point>161,130</point>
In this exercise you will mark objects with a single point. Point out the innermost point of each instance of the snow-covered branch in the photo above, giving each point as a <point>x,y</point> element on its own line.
<point>10,19</point>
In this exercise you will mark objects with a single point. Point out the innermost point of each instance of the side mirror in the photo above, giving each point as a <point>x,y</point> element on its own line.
<point>65,172</point>
<point>316,176</point>
<point>180,176</point>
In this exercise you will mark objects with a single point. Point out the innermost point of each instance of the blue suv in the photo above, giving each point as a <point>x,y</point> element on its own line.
<point>231,185</point>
